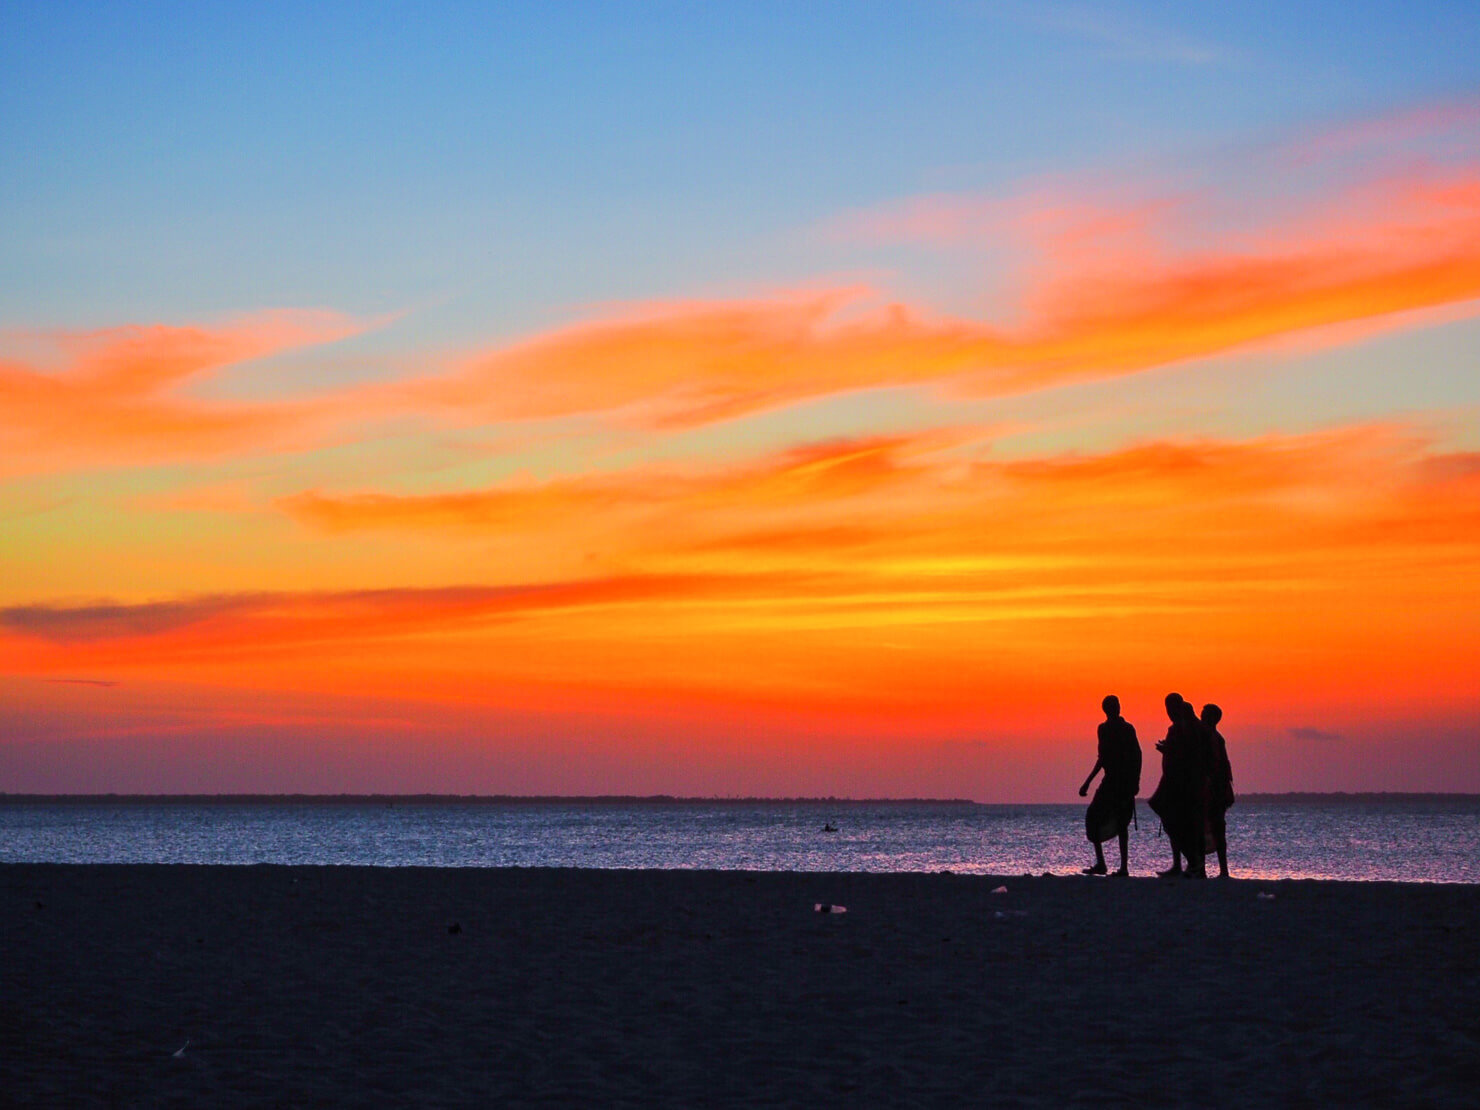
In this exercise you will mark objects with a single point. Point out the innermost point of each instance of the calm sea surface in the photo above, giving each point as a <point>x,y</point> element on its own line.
<point>1434,839</point>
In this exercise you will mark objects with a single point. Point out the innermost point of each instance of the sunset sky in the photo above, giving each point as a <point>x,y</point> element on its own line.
<point>765,399</point>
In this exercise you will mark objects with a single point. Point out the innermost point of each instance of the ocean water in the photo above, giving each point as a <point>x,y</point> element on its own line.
<point>1415,838</point>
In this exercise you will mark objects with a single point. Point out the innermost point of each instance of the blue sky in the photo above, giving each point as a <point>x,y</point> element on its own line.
<point>489,170</point>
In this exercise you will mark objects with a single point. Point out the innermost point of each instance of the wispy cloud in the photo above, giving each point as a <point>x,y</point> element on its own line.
<point>1112,289</point>
<point>111,621</point>
<point>812,474</point>
<point>1274,563</point>
<point>1434,132</point>
<point>1347,487</point>
<point>240,620</point>
<point>1304,732</point>
<point>1117,34</point>
<point>1108,283</point>
<point>118,394</point>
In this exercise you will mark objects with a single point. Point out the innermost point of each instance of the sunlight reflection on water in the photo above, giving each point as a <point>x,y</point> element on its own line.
<point>1427,839</point>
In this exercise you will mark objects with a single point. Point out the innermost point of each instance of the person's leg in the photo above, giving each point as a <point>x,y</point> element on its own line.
<point>1125,853</point>
<point>1176,868</point>
<point>1099,867</point>
<point>1196,849</point>
<point>1220,840</point>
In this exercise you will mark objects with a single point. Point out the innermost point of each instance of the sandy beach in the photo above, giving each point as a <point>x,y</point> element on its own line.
<point>368,987</point>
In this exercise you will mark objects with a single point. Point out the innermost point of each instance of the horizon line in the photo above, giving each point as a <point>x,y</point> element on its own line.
<point>8,797</point>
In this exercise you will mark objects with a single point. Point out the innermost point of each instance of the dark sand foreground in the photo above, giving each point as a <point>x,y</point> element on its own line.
<point>348,986</point>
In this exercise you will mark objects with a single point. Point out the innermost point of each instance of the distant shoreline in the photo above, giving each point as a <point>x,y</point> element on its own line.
<point>455,799</point>
<point>643,799</point>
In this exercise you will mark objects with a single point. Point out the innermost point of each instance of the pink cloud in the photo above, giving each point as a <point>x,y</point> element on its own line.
<point>118,394</point>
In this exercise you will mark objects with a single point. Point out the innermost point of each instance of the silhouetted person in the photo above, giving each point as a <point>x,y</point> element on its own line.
<point>1220,785</point>
<point>1180,799</point>
<point>1195,792</point>
<point>1163,797</point>
<point>1114,804</point>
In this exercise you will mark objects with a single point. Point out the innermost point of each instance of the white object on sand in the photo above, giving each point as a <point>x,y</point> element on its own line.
<point>179,1052</point>
<point>1265,896</point>
<point>826,907</point>
<point>999,890</point>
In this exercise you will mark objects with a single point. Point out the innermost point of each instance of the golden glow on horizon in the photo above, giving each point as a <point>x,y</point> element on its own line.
<point>1317,545</point>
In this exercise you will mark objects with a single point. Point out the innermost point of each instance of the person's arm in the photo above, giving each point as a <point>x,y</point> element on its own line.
<point>1083,790</point>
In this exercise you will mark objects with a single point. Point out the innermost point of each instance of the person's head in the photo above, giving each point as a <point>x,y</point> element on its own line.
<point>1173,701</point>
<point>1211,715</point>
<point>1111,706</point>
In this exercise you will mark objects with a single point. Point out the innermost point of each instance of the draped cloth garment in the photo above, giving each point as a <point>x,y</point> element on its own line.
<point>1114,805</point>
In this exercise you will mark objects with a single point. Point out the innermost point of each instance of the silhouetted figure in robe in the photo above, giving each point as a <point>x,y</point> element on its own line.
<point>1180,799</point>
<point>1162,800</point>
<point>1195,835</point>
<point>1220,785</point>
<point>1114,805</point>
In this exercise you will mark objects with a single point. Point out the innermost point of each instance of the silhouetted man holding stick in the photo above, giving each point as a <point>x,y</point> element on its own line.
<point>1114,805</point>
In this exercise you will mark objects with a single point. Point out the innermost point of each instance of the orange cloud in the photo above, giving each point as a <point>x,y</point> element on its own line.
<point>1115,287</point>
<point>1109,295</point>
<point>808,474</point>
<point>236,620</point>
<point>1387,250</point>
<point>918,489</point>
<point>893,576</point>
<point>117,396</point>
<point>697,362</point>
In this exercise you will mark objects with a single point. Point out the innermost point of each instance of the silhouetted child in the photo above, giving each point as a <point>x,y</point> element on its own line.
<point>1114,805</point>
<point>1220,785</point>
